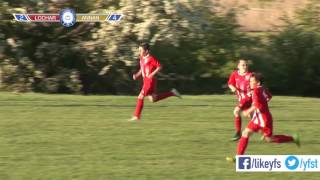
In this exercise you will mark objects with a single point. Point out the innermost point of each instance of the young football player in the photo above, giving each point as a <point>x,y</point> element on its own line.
<point>239,83</point>
<point>149,67</point>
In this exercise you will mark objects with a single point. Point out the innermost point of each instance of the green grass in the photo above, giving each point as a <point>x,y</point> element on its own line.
<point>88,137</point>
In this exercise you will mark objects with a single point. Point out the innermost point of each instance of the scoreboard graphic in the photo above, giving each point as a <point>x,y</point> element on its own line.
<point>68,17</point>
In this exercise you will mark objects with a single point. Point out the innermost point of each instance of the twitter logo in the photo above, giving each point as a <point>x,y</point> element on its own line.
<point>292,162</point>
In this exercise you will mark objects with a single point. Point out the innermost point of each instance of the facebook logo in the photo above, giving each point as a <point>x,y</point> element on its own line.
<point>244,163</point>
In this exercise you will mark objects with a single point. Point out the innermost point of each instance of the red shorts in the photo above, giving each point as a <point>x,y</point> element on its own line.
<point>261,121</point>
<point>149,87</point>
<point>245,104</point>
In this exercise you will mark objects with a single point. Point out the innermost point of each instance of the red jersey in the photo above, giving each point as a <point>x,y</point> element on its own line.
<point>262,118</point>
<point>242,84</point>
<point>148,64</point>
<point>260,98</point>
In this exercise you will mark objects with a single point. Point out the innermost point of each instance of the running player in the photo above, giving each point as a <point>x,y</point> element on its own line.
<point>239,83</point>
<point>261,119</point>
<point>149,67</point>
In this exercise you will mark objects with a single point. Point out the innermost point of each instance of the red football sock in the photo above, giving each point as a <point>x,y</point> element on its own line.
<point>163,96</point>
<point>237,123</point>
<point>242,145</point>
<point>139,108</point>
<point>281,138</point>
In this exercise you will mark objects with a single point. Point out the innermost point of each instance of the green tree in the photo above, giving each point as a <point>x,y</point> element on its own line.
<point>195,45</point>
<point>296,53</point>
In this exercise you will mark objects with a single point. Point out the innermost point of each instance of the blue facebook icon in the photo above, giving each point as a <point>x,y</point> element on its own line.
<point>244,163</point>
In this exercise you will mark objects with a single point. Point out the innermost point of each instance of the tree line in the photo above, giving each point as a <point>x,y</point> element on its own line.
<point>197,46</point>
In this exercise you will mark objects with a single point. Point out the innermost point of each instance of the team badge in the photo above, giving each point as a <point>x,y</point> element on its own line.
<point>67,17</point>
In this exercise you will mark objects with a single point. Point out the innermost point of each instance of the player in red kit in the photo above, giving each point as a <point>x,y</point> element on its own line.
<point>261,119</point>
<point>149,67</point>
<point>239,83</point>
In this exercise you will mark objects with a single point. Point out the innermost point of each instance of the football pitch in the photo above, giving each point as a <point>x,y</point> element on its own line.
<point>89,137</point>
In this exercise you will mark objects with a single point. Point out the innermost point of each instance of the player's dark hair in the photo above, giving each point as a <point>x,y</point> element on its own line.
<point>145,46</point>
<point>258,76</point>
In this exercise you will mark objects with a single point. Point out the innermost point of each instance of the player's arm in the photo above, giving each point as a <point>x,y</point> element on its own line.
<point>255,104</point>
<point>232,88</point>
<point>268,95</point>
<point>137,75</point>
<point>155,72</point>
<point>249,111</point>
<point>232,83</point>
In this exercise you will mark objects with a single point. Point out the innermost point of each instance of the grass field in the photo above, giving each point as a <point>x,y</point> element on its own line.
<point>88,137</point>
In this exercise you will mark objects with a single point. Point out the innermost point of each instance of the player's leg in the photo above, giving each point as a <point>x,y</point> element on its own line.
<point>165,95</point>
<point>176,93</point>
<point>146,90</point>
<point>267,131</point>
<point>237,123</point>
<point>246,133</point>
<point>279,139</point>
<point>283,139</point>
<point>155,97</point>
<point>242,106</point>
<point>161,96</point>
<point>139,107</point>
<point>268,135</point>
<point>296,139</point>
<point>243,142</point>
